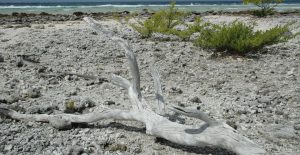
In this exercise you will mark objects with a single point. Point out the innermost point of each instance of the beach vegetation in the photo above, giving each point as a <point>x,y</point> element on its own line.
<point>70,106</point>
<point>266,6</point>
<point>78,13</point>
<point>163,21</point>
<point>196,27</point>
<point>44,14</point>
<point>239,38</point>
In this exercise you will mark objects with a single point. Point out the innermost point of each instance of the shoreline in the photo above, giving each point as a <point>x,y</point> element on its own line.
<point>25,19</point>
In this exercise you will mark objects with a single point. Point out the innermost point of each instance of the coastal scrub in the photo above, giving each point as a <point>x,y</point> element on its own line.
<point>239,38</point>
<point>162,21</point>
<point>266,6</point>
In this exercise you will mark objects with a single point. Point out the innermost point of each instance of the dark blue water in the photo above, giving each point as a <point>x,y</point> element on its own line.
<point>121,2</point>
<point>69,6</point>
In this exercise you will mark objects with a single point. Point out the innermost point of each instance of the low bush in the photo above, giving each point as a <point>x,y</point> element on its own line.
<point>197,26</point>
<point>263,13</point>
<point>162,21</point>
<point>235,38</point>
<point>239,38</point>
<point>267,7</point>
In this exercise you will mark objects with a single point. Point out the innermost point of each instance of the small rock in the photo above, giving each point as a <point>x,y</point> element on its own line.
<point>72,93</point>
<point>119,135</point>
<point>19,62</point>
<point>109,102</point>
<point>8,26</point>
<point>243,118</point>
<point>75,150</point>
<point>72,106</point>
<point>191,18</point>
<point>242,110</point>
<point>4,40</point>
<point>32,93</point>
<point>269,109</point>
<point>118,147</point>
<point>8,147</point>
<point>39,27</point>
<point>41,69</point>
<point>285,133</point>
<point>291,72</point>
<point>297,126</point>
<point>180,104</point>
<point>176,90</point>
<point>195,36</point>
<point>279,112</point>
<point>51,25</point>
<point>253,111</point>
<point>87,102</point>
<point>13,98</point>
<point>38,109</point>
<point>137,150</point>
<point>53,81</point>
<point>232,124</point>
<point>157,147</point>
<point>1,58</point>
<point>196,100</point>
<point>265,100</point>
<point>60,124</point>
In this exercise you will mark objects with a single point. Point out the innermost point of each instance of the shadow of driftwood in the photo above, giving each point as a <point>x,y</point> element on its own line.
<point>194,149</point>
<point>161,141</point>
<point>116,125</point>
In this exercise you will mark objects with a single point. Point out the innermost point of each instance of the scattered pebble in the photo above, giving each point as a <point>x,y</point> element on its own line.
<point>117,147</point>
<point>39,27</point>
<point>196,100</point>
<point>297,126</point>
<point>19,62</point>
<point>176,90</point>
<point>109,102</point>
<point>32,93</point>
<point>1,58</point>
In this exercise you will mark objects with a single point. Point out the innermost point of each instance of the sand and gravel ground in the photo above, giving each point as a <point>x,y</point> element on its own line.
<point>259,96</point>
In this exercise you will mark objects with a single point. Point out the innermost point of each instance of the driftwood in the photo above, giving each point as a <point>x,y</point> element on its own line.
<point>210,133</point>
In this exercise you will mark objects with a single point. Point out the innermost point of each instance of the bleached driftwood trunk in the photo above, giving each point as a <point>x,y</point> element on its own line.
<point>210,133</point>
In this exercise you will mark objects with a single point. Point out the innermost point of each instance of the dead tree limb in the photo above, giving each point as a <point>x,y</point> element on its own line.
<point>210,133</point>
<point>158,91</point>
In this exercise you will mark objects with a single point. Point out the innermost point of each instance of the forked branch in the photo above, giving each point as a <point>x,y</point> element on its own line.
<point>209,133</point>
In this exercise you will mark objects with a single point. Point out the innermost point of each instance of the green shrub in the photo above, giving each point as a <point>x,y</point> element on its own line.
<point>197,26</point>
<point>266,6</point>
<point>162,21</point>
<point>263,13</point>
<point>238,38</point>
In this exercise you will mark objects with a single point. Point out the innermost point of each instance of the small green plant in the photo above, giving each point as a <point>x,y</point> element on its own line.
<point>239,38</point>
<point>70,106</point>
<point>197,26</point>
<point>266,6</point>
<point>162,21</point>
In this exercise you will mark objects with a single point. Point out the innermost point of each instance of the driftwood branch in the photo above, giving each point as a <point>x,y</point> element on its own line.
<point>210,133</point>
<point>158,90</point>
<point>194,113</point>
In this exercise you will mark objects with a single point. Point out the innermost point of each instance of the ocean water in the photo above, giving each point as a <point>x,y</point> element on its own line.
<point>70,6</point>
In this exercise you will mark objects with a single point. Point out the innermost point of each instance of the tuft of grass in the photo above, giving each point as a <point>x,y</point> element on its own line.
<point>70,106</point>
<point>239,38</point>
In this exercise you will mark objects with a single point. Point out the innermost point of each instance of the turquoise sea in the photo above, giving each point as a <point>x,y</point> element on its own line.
<point>69,6</point>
